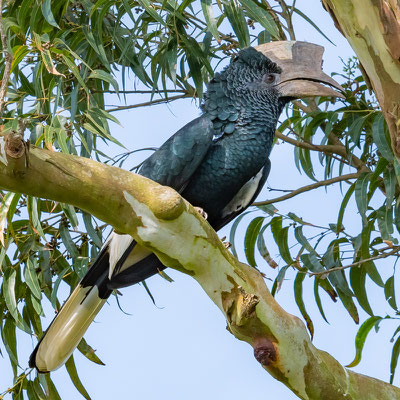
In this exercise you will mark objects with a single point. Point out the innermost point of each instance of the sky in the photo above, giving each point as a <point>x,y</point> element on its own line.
<point>180,349</point>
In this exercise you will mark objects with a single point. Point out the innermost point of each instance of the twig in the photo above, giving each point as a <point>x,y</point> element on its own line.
<point>7,65</point>
<point>308,188</point>
<point>326,148</point>
<point>287,16</point>
<point>141,91</point>
<point>149,103</point>
<point>356,264</point>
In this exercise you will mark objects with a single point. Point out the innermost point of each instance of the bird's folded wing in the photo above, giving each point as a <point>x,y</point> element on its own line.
<point>178,158</point>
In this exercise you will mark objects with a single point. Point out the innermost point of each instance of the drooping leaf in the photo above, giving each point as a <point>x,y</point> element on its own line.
<point>250,239</point>
<point>71,368</point>
<point>88,352</point>
<point>361,336</point>
<point>298,296</point>
<point>47,13</point>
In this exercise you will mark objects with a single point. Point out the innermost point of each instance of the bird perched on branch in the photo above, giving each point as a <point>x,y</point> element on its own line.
<point>218,162</point>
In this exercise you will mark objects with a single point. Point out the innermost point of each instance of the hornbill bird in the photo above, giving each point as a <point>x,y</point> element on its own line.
<point>218,162</point>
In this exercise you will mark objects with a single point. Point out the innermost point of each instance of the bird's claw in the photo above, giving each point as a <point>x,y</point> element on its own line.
<point>201,212</point>
<point>226,244</point>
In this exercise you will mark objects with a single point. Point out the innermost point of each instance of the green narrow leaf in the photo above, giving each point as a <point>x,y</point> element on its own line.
<point>53,297</point>
<point>356,127</point>
<point>10,342</point>
<point>315,26</point>
<point>9,292</point>
<point>151,11</point>
<point>52,391</point>
<point>104,76</point>
<point>311,262</point>
<point>390,293</point>
<point>74,69</point>
<point>69,211</point>
<point>385,222</point>
<point>349,305</point>
<point>18,55</point>
<point>4,208</point>
<point>232,233</point>
<point>318,298</point>
<point>262,16</point>
<point>206,5</point>
<point>394,359</point>
<point>279,280</point>
<point>262,248</point>
<point>380,138</point>
<point>361,194</point>
<point>88,352</point>
<point>281,238</point>
<point>360,339</point>
<point>389,178</point>
<point>250,239</point>
<point>93,234</point>
<point>70,366</point>
<point>298,233</point>
<point>343,206</point>
<point>47,13</point>
<point>235,15</point>
<point>298,296</point>
<point>67,240</point>
<point>32,279</point>
<point>62,140</point>
<point>357,281</point>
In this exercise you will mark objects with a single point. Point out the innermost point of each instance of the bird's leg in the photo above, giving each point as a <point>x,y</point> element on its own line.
<point>201,212</point>
<point>226,243</point>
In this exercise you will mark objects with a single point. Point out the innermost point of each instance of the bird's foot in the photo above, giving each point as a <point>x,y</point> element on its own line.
<point>201,212</point>
<point>226,244</point>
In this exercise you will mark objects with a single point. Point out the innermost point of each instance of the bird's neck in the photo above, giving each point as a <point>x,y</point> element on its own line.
<point>251,114</point>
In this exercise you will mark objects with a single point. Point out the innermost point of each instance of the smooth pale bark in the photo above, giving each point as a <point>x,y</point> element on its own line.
<point>160,219</point>
<point>372,27</point>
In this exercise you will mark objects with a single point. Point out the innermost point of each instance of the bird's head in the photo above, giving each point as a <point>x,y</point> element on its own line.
<point>270,75</point>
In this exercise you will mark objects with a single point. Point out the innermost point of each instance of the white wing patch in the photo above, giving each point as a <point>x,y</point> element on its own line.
<point>244,195</point>
<point>117,244</point>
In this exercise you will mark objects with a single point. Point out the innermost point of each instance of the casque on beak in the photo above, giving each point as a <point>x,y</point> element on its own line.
<point>302,74</point>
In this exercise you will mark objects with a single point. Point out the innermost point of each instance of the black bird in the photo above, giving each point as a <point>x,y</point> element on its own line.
<point>218,162</point>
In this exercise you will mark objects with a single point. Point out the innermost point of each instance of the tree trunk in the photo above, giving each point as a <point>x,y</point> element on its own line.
<point>372,28</point>
<point>158,218</point>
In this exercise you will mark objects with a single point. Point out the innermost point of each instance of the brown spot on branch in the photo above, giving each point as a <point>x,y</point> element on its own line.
<point>264,351</point>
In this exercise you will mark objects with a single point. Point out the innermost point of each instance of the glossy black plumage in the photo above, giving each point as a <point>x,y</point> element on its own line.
<point>218,162</point>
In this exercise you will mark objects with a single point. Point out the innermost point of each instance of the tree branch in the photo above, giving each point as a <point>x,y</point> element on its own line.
<point>159,219</point>
<point>7,64</point>
<point>395,250</point>
<point>150,103</point>
<point>372,28</point>
<point>308,188</point>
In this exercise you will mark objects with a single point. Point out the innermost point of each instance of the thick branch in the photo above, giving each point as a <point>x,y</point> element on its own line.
<point>158,218</point>
<point>373,31</point>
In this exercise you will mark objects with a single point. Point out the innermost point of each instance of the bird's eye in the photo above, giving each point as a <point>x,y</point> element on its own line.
<point>270,78</point>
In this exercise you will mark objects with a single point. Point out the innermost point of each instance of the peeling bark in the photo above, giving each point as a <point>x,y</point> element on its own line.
<point>158,218</point>
<point>373,30</point>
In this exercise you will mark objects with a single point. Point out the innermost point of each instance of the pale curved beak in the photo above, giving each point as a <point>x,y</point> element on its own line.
<point>301,65</point>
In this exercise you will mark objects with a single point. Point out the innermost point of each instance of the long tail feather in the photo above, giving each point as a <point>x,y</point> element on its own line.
<point>67,329</point>
<point>70,324</point>
<point>120,263</point>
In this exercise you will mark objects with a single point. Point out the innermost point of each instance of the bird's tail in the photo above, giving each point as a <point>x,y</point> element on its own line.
<point>70,324</point>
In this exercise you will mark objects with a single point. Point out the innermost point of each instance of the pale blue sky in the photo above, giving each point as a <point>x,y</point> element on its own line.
<point>181,350</point>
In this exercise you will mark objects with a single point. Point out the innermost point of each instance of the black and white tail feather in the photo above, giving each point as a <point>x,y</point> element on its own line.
<point>114,268</point>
